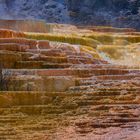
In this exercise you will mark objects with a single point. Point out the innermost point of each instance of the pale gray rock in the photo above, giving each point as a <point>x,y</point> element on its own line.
<point>119,13</point>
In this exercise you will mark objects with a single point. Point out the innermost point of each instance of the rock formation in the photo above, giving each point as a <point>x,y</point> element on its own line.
<point>4,10</point>
<point>119,13</point>
<point>105,12</point>
<point>25,25</point>
<point>71,83</point>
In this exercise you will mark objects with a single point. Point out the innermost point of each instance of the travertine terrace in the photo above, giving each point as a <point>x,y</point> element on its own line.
<point>74,83</point>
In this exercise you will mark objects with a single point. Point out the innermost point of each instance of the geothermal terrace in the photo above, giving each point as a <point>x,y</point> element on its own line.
<point>71,83</point>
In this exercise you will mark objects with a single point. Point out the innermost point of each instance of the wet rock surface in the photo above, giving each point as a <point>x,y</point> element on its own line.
<point>60,86</point>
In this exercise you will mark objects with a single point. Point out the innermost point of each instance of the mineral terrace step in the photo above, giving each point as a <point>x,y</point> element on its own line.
<point>29,64</point>
<point>119,89</point>
<point>92,88</point>
<point>78,72</point>
<point>37,127</point>
<point>40,65</point>
<point>105,102</point>
<point>56,65</point>
<point>32,110</point>
<point>8,121</point>
<point>83,72</point>
<point>111,93</point>
<point>48,52</point>
<point>111,82</point>
<point>111,77</point>
<point>50,59</point>
<point>105,66</point>
<point>118,77</point>
<point>10,137</point>
<point>39,101</point>
<point>30,42</point>
<point>22,41</point>
<point>13,47</point>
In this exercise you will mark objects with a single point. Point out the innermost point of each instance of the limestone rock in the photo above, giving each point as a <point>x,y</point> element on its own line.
<point>58,84</point>
<point>8,59</point>
<point>64,81</point>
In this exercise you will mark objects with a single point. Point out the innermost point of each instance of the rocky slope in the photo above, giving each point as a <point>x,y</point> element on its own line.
<point>70,84</point>
<point>104,12</point>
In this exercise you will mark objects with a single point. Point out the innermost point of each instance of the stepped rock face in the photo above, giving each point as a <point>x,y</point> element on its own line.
<point>24,26</point>
<point>104,12</point>
<point>72,83</point>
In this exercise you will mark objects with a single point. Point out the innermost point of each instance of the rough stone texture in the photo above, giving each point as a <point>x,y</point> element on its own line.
<point>58,84</point>
<point>104,12</point>
<point>24,26</point>
<point>8,59</point>
<point>63,86</point>
<point>10,34</point>
<point>50,10</point>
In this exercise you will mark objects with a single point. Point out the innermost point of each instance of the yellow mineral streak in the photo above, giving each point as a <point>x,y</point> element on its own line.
<point>90,50</point>
<point>108,38</point>
<point>64,38</point>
